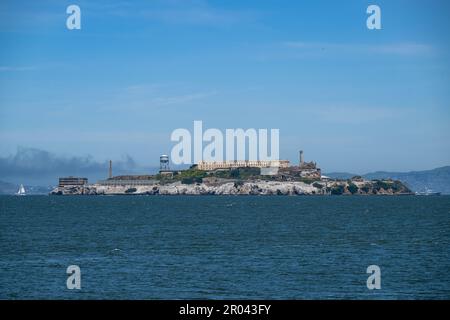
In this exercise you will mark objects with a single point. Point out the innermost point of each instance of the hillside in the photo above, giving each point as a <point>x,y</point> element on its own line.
<point>436,179</point>
<point>8,188</point>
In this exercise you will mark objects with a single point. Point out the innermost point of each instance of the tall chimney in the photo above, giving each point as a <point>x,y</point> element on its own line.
<point>301,158</point>
<point>110,169</point>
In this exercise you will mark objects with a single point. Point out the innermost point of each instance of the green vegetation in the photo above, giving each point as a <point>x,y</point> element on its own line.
<point>191,173</point>
<point>246,173</point>
<point>190,176</point>
<point>238,173</point>
<point>389,185</point>
<point>352,188</point>
<point>191,180</point>
<point>337,190</point>
<point>317,185</point>
<point>379,184</point>
<point>234,173</point>
<point>221,174</point>
<point>399,186</point>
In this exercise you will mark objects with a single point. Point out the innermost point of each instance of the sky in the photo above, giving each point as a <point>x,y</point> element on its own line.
<point>354,99</point>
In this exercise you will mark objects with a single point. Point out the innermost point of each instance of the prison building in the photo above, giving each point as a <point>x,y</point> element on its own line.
<point>214,165</point>
<point>72,181</point>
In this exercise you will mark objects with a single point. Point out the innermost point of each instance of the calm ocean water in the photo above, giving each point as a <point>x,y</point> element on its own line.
<point>138,247</point>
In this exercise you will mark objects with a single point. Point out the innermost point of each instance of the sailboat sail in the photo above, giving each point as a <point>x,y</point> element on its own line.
<point>21,191</point>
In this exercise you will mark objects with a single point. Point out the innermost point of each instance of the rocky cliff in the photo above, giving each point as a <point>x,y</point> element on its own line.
<point>258,187</point>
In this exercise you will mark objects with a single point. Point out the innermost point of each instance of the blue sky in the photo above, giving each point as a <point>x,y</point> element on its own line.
<point>354,99</point>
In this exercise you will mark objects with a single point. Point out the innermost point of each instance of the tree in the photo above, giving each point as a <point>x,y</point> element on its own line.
<point>337,190</point>
<point>352,188</point>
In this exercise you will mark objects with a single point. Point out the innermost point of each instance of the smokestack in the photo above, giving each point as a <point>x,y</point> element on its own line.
<point>110,169</point>
<point>301,158</point>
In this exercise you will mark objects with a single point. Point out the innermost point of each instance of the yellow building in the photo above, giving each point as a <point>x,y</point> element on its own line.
<point>213,165</point>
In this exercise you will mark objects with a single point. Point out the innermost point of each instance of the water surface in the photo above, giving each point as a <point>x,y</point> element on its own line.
<point>224,247</point>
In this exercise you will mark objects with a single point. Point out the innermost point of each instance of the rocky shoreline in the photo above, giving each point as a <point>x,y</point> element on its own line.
<point>257,187</point>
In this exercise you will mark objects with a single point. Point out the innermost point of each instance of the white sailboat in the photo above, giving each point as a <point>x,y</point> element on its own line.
<point>21,191</point>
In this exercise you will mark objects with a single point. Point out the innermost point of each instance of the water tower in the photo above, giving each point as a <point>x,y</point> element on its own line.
<point>164,163</point>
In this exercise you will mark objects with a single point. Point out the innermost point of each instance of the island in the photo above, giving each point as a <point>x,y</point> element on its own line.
<point>233,178</point>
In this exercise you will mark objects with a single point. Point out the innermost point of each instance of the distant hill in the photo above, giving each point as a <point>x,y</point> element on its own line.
<point>436,179</point>
<point>11,188</point>
<point>340,175</point>
<point>8,188</point>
